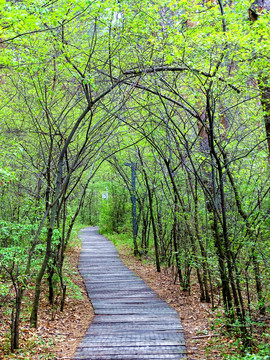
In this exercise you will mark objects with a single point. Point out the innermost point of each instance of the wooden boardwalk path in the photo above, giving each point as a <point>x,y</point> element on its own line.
<point>131,322</point>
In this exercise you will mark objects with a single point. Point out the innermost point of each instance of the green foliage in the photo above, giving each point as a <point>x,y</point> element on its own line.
<point>121,240</point>
<point>263,353</point>
<point>107,205</point>
<point>114,211</point>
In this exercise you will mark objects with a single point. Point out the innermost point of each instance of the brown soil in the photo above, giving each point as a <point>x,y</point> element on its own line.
<point>58,334</point>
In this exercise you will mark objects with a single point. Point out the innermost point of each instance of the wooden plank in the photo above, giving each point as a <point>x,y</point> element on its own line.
<point>130,357</point>
<point>169,345</point>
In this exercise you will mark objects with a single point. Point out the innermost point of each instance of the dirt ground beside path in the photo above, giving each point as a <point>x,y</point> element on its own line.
<point>58,333</point>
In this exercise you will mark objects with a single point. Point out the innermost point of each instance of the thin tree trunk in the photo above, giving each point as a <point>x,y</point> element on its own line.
<point>15,321</point>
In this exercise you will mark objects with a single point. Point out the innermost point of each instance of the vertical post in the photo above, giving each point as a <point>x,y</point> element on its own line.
<point>133,200</point>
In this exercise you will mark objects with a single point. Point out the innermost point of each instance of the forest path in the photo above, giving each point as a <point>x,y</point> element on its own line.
<point>131,322</point>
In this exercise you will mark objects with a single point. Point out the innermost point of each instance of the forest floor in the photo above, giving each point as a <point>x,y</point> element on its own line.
<point>58,333</point>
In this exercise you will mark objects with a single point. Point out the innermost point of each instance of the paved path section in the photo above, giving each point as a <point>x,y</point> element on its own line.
<point>131,322</point>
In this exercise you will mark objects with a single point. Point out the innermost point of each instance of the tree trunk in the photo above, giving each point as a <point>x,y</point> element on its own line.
<point>15,321</point>
<point>34,312</point>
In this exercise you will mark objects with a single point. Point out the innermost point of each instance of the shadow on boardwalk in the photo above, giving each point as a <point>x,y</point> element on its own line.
<point>131,322</point>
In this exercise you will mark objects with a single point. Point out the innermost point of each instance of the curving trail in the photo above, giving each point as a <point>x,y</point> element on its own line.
<point>131,322</point>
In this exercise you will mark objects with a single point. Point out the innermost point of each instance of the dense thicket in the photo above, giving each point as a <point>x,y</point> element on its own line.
<point>179,93</point>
